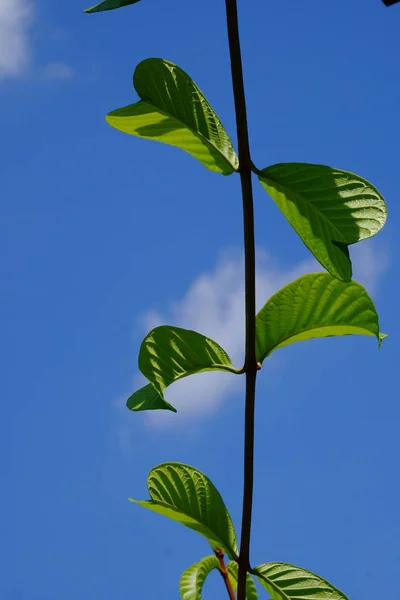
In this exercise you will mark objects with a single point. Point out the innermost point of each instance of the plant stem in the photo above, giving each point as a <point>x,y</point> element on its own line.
<point>245,166</point>
<point>225,575</point>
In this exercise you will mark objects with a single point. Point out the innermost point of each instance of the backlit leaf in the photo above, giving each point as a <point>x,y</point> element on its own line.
<point>328,208</point>
<point>314,306</point>
<point>109,5</point>
<point>193,578</point>
<point>170,353</point>
<point>286,582</point>
<point>186,495</point>
<point>174,111</point>
<point>147,398</point>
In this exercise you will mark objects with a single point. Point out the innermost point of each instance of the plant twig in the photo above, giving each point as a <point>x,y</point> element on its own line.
<point>224,574</point>
<point>245,167</point>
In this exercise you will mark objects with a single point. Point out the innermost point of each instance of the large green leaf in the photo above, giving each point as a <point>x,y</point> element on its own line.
<point>170,353</point>
<point>186,495</point>
<point>251,590</point>
<point>286,582</point>
<point>173,110</point>
<point>192,580</point>
<point>328,208</point>
<point>314,306</point>
<point>109,5</point>
<point>148,398</point>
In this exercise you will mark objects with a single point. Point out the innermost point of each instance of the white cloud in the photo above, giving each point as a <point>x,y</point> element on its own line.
<point>57,70</point>
<point>369,263</point>
<point>15,51</point>
<point>16,18</point>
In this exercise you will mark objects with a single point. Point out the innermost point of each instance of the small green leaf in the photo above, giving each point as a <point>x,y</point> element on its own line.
<point>174,111</point>
<point>193,578</point>
<point>109,5</point>
<point>286,582</point>
<point>147,398</point>
<point>186,495</point>
<point>251,590</point>
<point>314,306</point>
<point>328,208</point>
<point>170,353</point>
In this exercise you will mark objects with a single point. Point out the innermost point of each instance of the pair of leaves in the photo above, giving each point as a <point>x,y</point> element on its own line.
<point>282,580</point>
<point>328,208</point>
<point>186,495</point>
<point>313,306</point>
<point>192,580</point>
<point>171,353</point>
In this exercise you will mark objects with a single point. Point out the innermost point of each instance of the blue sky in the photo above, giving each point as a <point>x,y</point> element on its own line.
<point>103,235</point>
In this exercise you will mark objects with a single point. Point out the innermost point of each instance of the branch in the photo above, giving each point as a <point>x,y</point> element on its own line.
<point>224,573</point>
<point>245,166</point>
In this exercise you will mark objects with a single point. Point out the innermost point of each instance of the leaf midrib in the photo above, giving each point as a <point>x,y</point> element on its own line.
<point>196,133</point>
<point>308,203</point>
<point>284,594</point>
<point>317,329</point>
<point>223,543</point>
<point>272,584</point>
<point>217,367</point>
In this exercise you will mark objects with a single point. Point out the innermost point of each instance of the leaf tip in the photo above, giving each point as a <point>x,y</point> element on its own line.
<point>90,9</point>
<point>135,501</point>
<point>381,337</point>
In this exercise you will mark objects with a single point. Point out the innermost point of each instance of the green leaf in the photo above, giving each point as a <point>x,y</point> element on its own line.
<point>328,208</point>
<point>314,306</point>
<point>193,578</point>
<point>286,582</point>
<point>251,590</point>
<point>184,494</point>
<point>147,398</point>
<point>109,5</point>
<point>170,353</point>
<point>174,111</point>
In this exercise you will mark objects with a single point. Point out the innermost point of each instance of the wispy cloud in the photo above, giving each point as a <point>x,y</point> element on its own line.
<point>57,70</point>
<point>369,264</point>
<point>16,18</point>
<point>15,49</point>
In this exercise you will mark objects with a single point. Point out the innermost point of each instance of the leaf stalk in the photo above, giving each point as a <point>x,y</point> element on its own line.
<point>224,574</point>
